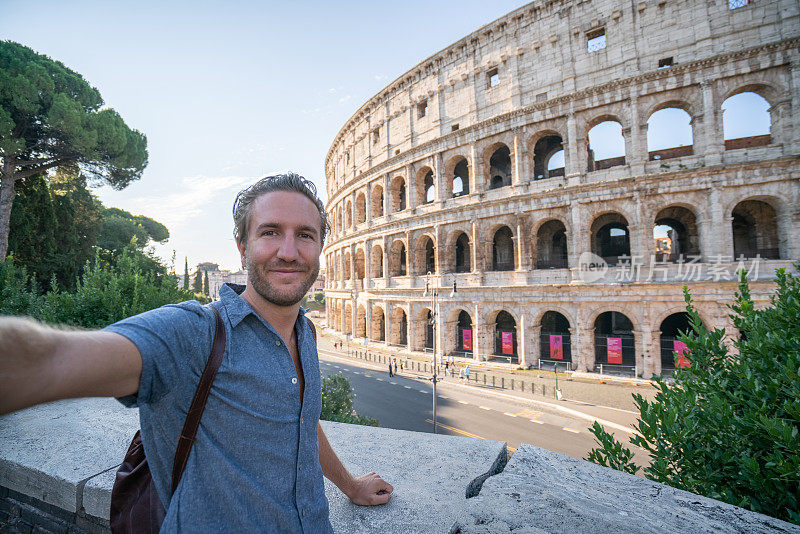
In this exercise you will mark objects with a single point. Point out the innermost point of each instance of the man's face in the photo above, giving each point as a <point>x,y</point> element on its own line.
<point>283,245</point>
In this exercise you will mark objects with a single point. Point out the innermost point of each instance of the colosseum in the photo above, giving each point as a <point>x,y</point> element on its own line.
<point>519,196</point>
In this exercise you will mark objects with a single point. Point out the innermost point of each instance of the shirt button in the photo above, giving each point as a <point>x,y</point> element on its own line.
<point>294,380</point>
<point>301,420</point>
<point>303,511</point>
<point>277,342</point>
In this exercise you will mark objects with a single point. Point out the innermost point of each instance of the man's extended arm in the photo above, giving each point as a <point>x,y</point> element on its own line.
<point>41,364</point>
<point>366,490</point>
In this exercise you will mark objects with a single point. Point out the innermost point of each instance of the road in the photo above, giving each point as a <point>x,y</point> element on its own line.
<point>405,402</point>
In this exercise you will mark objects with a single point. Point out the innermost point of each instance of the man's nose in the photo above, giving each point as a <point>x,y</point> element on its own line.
<point>288,250</point>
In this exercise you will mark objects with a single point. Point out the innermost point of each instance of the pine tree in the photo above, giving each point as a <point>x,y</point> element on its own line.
<point>205,284</point>
<point>186,273</point>
<point>197,286</point>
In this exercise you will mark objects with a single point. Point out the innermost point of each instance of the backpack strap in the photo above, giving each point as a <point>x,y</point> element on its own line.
<point>313,329</point>
<point>192,422</point>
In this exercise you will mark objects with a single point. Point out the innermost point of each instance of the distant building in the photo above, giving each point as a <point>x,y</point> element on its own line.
<point>217,278</point>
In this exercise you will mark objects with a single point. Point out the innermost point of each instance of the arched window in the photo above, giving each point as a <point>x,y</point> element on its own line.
<point>669,134</point>
<point>671,329</point>
<point>377,201</point>
<point>462,254</point>
<point>464,340</point>
<point>551,246</point>
<point>544,166</point>
<point>424,256</point>
<point>610,237</point>
<point>461,179</point>
<point>378,324</point>
<point>397,259</point>
<point>555,338</point>
<point>755,230</point>
<point>399,327</point>
<point>613,340</point>
<point>428,189</point>
<point>398,194</point>
<point>360,265</point>
<point>376,262</point>
<point>606,146</point>
<point>361,322</point>
<point>428,325</point>
<point>675,235</point>
<point>503,250</point>
<point>500,168</point>
<point>361,208</point>
<point>746,121</point>
<point>505,336</point>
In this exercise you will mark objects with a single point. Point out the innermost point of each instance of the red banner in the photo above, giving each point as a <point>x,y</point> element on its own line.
<point>683,351</point>
<point>508,342</point>
<point>614,349</point>
<point>556,347</point>
<point>466,339</point>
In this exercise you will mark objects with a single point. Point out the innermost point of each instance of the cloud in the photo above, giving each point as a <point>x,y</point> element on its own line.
<point>380,77</point>
<point>345,99</point>
<point>195,193</point>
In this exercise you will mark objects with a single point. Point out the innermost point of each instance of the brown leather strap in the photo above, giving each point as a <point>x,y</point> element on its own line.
<point>189,431</point>
<point>313,329</point>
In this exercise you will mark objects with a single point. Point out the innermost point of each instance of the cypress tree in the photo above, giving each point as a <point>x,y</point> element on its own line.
<point>197,286</point>
<point>205,284</point>
<point>185,273</point>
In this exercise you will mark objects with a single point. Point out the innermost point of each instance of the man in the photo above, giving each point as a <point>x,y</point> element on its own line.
<point>260,454</point>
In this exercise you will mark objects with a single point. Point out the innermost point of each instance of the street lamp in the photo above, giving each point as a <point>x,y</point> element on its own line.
<point>434,294</point>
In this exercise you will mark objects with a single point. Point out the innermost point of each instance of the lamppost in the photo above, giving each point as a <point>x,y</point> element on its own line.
<point>434,294</point>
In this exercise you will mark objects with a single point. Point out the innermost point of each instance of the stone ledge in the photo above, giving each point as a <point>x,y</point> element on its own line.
<point>543,491</point>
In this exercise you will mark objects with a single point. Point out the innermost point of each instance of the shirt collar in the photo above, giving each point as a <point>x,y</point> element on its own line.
<point>236,307</point>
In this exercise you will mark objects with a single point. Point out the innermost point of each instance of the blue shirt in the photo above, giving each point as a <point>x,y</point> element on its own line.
<point>255,465</point>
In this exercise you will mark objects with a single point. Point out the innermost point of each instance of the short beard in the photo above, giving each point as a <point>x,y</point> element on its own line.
<point>258,279</point>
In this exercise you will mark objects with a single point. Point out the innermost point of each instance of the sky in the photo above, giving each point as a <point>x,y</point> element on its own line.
<point>229,92</point>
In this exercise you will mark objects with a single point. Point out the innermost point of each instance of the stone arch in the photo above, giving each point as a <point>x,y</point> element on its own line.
<point>398,262</point>
<point>339,226</point>
<point>398,194</point>
<point>503,254</point>
<point>456,177</point>
<point>607,146</point>
<point>614,341</point>
<point>361,208</point>
<point>399,328</point>
<point>671,327</point>
<point>360,264</point>
<point>378,324</point>
<point>498,164</point>
<point>424,255</point>
<point>459,252</point>
<point>361,321</point>
<point>425,184</point>
<point>348,319</point>
<point>555,343</point>
<point>347,273</point>
<point>551,245</point>
<point>460,338</point>
<point>348,215</point>
<point>425,330</point>
<point>547,145</point>
<point>748,116</point>
<point>377,201</point>
<point>755,229</point>
<point>376,262</point>
<point>501,323</point>
<point>610,237</point>
<point>676,234</point>
<point>669,131</point>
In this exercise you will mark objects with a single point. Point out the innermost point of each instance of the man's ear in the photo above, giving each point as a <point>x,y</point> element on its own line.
<point>242,246</point>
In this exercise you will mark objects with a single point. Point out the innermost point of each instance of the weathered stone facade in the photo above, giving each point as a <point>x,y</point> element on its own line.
<point>449,170</point>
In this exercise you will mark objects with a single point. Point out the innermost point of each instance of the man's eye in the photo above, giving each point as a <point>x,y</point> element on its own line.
<point>268,232</point>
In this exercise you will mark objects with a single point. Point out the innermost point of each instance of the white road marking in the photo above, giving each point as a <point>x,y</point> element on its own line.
<point>537,422</point>
<point>443,397</point>
<point>356,372</point>
<point>423,391</point>
<point>379,379</point>
<point>484,408</point>
<point>570,430</point>
<point>509,414</point>
<point>393,383</point>
<point>407,387</point>
<point>463,402</point>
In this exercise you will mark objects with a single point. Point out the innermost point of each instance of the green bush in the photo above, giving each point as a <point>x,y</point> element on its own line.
<point>729,426</point>
<point>337,402</point>
<point>103,295</point>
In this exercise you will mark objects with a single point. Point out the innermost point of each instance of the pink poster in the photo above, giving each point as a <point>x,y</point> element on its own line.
<point>466,339</point>
<point>508,342</point>
<point>556,349</point>
<point>614,349</point>
<point>682,350</point>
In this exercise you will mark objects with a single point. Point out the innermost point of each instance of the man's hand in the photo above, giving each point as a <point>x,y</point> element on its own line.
<point>369,490</point>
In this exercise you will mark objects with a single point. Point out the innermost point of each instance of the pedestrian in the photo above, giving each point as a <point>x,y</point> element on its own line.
<point>461,375</point>
<point>391,374</point>
<point>395,366</point>
<point>402,366</point>
<point>151,361</point>
<point>466,373</point>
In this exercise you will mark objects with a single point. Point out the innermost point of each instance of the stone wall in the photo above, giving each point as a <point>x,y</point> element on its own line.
<point>57,464</point>
<point>447,171</point>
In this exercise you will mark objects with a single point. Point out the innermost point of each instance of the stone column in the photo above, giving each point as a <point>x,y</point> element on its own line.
<point>477,183</point>
<point>652,364</point>
<point>522,344</point>
<point>439,250</point>
<point>411,188</point>
<point>713,139</point>
<point>643,355</point>
<point>523,261</point>
<point>369,203</point>
<point>387,320</point>
<point>368,320</point>
<point>717,234</point>
<point>478,350</point>
<point>636,148</point>
<point>385,266</point>
<point>438,177</point>
<point>535,345</point>
<point>793,122</point>
<point>574,152</point>
<point>367,264</point>
<point>575,349</point>
<point>387,200</point>
<point>579,236</point>
<point>517,176</point>
<point>475,258</point>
